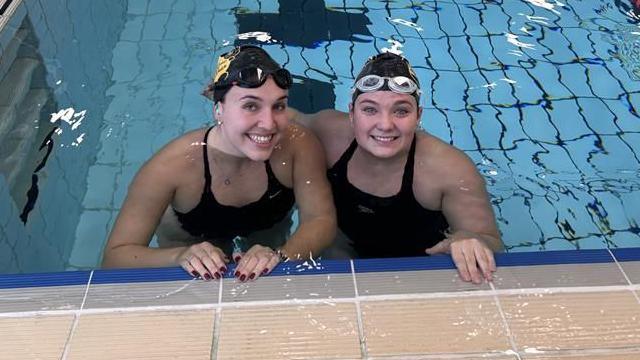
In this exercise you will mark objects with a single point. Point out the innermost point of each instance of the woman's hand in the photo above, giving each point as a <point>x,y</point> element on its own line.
<point>203,260</point>
<point>471,254</point>
<point>257,261</point>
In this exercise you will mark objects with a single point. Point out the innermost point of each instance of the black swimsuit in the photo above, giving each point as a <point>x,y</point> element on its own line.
<point>212,220</point>
<point>384,226</point>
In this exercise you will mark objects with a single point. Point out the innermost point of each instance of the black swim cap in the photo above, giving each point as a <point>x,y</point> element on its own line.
<point>231,64</point>
<point>387,65</point>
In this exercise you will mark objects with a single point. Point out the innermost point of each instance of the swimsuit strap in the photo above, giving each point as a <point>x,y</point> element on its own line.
<point>346,156</point>
<point>407,177</point>
<point>205,156</point>
<point>270,175</point>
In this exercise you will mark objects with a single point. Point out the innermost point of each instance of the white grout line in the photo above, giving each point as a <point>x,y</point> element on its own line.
<point>468,355</point>
<point>624,274</point>
<point>500,354</point>
<point>358,299</point>
<point>603,352</point>
<point>362,338</point>
<point>76,318</point>
<point>512,341</point>
<point>216,326</point>
<point>109,310</point>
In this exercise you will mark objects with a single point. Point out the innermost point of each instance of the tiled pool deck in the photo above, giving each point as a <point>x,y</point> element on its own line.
<point>549,305</point>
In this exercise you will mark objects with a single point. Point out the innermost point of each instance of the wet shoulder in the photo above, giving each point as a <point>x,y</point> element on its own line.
<point>294,138</point>
<point>183,152</point>
<point>299,147</point>
<point>334,131</point>
<point>332,127</point>
<point>435,154</point>
<point>439,165</point>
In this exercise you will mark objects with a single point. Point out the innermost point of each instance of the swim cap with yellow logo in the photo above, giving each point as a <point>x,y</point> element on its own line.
<point>233,63</point>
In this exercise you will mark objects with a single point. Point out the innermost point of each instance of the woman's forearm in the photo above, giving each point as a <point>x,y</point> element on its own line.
<point>311,238</point>
<point>140,256</point>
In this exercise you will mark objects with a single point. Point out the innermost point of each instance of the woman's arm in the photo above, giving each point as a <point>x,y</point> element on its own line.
<point>149,195</point>
<point>317,215</point>
<point>465,203</point>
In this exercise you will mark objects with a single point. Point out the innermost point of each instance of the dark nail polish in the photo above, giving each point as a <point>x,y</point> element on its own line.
<point>207,277</point>
<point>252,275</point>
<point>243,277</point>
<point>265,271</point>
<point>223,269</point>
<point>236,274</point>
<point>217,275</point>
<point>237,258</point>
<point>195,273</point>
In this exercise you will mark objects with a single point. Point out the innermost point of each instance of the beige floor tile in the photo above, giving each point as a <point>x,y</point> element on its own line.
<point>158,293</point>
<point>289,288</point>
<point>563,275</point>
<point>39,337</point>
<point>455,325</point>
<point>289,332</point>
<point>144,335</point>
<point>41,298</point>
<point>632,269</point>
<point>573,321</point>
<point>411,282</point>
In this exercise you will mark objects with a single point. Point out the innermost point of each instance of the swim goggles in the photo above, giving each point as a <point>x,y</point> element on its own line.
<point>254,77</point>
<point>397,84</point>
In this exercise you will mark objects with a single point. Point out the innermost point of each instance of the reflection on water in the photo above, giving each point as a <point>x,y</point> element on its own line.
<point>626,39</point>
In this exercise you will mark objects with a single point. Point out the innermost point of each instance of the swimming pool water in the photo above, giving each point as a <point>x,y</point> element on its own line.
<point>542,95</point>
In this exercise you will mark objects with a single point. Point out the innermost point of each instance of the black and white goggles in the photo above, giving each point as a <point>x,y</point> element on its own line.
<point>397,84</point>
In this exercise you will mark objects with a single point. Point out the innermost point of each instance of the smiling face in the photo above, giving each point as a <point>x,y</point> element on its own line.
<point>253,120</point>
<point>384,122</point>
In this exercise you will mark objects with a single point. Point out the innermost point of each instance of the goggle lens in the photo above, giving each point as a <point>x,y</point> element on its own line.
<point>403,83</point>
<point>255,77</point>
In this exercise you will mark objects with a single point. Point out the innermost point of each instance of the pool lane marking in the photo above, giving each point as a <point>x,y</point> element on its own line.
<point>362,338</point>
<point>216,326</point>
<point>76,319</point>
<point>512,341</point>
<point>331,300</point>
<point>624,274</point>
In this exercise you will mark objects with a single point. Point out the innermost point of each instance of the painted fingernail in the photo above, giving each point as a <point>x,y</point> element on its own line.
<point>252,275</point>
<point>207,277</point>
<point>243,277</point>
<point>217,275</point>
<point>195,273</point>
<point>223,269</point>
<point>237,258</point>
<point>236,274</point>
<point>265,271</point>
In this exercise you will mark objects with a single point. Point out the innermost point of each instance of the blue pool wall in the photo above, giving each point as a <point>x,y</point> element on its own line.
<point>66,33</point>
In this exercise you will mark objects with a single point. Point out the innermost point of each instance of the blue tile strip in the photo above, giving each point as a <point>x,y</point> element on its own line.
<point>403,264</point>
<point>304,268</point>
<point>628,254</point>
<point>118,276</point>
<point>308,268</point>
<point>44,279</point>
<point>554,257</point>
